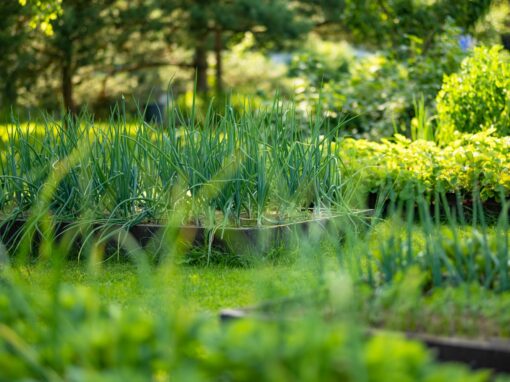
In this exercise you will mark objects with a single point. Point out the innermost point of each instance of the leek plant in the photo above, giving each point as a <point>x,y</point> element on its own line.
<point>433,235</point>
<point>268,166</point>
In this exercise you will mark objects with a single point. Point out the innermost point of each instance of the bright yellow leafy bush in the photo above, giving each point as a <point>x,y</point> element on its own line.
<point>469,161</point>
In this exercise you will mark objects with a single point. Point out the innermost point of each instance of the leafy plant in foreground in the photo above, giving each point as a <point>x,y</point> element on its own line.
<point>68,334</point>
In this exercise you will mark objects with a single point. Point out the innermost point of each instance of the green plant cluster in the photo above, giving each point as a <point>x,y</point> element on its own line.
<point>446,258</point>
<point>478,96</point>
<point>256,167</point>
<point>421,271</point>
<point>70,335</point>
<point>437,240</point>
<point>468,162</point>
<point>466,311</point>
<point>376,91</point>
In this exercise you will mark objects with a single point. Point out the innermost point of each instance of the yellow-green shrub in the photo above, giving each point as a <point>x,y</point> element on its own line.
<point>479,160</point>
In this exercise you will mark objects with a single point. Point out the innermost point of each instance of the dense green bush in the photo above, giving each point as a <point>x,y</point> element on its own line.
<point>469,161</point>
<point>478,96</point>
<point>377,90</point>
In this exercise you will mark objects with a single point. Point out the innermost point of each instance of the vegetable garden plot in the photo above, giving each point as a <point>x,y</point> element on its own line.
<point>257,168</point>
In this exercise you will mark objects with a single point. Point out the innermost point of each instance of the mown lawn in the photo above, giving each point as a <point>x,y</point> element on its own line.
<point>192,288</point>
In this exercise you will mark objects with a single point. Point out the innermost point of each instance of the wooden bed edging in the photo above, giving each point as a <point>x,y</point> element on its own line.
<point>233,238</point>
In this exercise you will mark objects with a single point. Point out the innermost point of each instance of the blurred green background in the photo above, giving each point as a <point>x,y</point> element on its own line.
<point>368,59</point>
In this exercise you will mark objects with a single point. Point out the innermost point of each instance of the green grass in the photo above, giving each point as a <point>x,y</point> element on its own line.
<point>194,288</point>
<point>466,310</point>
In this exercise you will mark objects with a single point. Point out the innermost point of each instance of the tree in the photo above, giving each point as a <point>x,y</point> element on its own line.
<point>81,37</point>
<point>42,13</point>
<point>86,39</point>
<point>15,54</point>
<point>389,24</point>
<point>97,39</point>
<point>206,26</point>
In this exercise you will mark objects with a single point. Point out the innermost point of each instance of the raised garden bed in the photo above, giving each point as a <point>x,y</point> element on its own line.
<point>493,354</point>
<point>237,239</point>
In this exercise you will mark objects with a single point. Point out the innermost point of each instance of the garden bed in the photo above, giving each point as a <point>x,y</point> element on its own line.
<point>490,354</point>
<point>236,239</point>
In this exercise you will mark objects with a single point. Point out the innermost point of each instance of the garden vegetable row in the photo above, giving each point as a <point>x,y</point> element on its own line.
<point>256,168</point>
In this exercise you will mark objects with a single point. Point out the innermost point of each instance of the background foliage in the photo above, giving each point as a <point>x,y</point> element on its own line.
<point>99,50</point>
<point>478,96</point>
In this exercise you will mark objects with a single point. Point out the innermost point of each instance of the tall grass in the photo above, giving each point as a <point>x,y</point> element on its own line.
<point>264,165</point>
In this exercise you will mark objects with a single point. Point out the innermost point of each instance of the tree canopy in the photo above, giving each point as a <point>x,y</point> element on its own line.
<point>101,39</point>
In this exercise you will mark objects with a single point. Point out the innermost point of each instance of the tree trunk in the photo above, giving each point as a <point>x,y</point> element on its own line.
<point>200,65</point>
<point>67,89</point>
<point>10,93</point>
<point>219,64</point>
